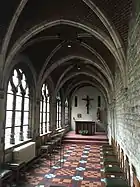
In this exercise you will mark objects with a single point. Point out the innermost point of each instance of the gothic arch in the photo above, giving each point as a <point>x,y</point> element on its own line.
<point>63,60</point>
<point>83,73</point>
<point>50,85</point>
<point>63,75</point>
<point>86,47</point>
<point>93,31</point>
<point>11,27</point>
<point>58,47</point>
<point>106,97</point>
<point>26,63</point>
<point>109,26</point>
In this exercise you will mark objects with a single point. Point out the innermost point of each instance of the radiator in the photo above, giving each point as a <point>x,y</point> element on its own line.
<point>24,153</point>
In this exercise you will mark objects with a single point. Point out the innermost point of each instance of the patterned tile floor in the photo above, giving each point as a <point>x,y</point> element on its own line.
<point>80,167</point>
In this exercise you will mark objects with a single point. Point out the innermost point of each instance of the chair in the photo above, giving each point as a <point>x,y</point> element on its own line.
<point>110,160</point>
<point>108,153</point>
<point>112,170</point>
<point>5,176</point>
<point>115,182</point>
<point>16,168</point>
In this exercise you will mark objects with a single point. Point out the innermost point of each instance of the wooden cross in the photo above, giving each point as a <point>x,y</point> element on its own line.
<point>87,99</point>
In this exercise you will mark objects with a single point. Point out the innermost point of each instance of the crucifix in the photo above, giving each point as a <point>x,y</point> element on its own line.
<point>87,99</point>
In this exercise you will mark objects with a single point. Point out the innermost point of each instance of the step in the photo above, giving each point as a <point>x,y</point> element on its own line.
<point>86,138</point>
<point>85,141</point>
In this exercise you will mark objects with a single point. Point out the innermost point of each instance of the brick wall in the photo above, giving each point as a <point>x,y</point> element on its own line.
<point>128,106</point>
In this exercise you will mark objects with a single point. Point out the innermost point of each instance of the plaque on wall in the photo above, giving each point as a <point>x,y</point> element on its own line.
<point>79,115</point>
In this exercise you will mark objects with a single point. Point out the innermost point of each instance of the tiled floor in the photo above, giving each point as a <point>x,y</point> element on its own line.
<point>81,167</point>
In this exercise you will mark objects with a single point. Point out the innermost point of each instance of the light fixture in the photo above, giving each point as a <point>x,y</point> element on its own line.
<point>78,68</point>
<point>69,46</point>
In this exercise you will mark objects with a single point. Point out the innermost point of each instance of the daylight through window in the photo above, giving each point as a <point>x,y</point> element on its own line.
<point>44,110</point>
<point>58,122</point>
<point>66,112</point>
<point>17,109</point>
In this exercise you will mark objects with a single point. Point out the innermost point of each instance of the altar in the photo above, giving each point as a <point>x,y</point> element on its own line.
<point>85,125</point>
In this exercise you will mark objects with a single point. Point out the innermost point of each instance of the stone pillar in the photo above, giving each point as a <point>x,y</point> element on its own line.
<point>2,123</point>
<point>127,169</point>
<point>63,114</point>
<point>135,182</point>
<point>32,117</point>
<point>131,175</point>
<point>36,117</point>
<point>109,122</point>
<point>69,113</point>
<point>53,115</point>
<point>113,118</point>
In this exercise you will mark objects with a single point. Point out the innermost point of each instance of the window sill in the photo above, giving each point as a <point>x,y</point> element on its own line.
<point>61,130</point>
<point>9,147</point>
<point>58,128</point>
<point>66,125</point>
<point>45,133</point>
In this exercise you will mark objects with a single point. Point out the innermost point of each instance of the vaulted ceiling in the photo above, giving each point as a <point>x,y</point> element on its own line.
<point>72,41</point>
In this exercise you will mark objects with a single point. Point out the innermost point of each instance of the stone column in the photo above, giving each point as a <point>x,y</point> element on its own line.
<point>2,123</point>
<point>63,114</point>
<point>131,175</point>
<point>109,122</point>
<point>135,182</point>
<point>69,113</point>
<point>113,118</point>
<point>32,119</point>
<point>36,117</point>
<point>53,115</point>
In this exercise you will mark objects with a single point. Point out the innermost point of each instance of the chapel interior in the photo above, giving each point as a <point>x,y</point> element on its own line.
<point>70,93</point>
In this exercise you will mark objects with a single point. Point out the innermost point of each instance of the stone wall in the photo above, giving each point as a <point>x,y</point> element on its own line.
<point>128,103</point>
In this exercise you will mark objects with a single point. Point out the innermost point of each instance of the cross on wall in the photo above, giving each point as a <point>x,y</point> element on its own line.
<point>87,99</point>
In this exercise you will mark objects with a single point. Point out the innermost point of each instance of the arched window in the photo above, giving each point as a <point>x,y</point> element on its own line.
<point>66,112</point>
<point>17,109</point>
<point>44,110</point>
<point>58,121</point>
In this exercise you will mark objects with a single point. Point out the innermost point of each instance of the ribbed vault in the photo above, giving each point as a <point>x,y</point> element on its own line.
<point>59,37</point>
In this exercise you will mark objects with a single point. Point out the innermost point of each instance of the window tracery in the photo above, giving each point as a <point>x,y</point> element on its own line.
<point>17,109</point>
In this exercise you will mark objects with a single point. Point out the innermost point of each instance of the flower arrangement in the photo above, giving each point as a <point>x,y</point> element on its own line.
<point>83,132</point>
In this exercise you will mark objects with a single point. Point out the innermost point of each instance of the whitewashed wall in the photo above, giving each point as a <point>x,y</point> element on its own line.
<point>81,105</point>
